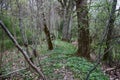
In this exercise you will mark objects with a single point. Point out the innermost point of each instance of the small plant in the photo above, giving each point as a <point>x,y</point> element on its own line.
<point>59,59</point>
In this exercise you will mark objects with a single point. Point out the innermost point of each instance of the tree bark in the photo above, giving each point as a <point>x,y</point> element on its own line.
<point>83,29</point>
<point>65,26</point>
<point>47,33</point>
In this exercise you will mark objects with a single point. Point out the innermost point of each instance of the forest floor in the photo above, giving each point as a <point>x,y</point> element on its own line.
<point>113,72</point>
<point>58,64</point>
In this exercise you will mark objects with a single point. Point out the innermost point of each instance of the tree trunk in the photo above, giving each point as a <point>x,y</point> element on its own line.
<point>22,30</point>
<point>67,7</point>
<point>108,53</point>
<point>47,33</point>
<point>65,26</point>
<point>83,29</point>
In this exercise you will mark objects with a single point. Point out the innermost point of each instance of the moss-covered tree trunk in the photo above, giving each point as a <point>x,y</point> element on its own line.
<point>47,33</point>
<point>83,29</point>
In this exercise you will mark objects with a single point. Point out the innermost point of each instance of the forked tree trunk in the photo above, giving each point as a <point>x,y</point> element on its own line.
<point>83,29</point>
<point>67,7</point>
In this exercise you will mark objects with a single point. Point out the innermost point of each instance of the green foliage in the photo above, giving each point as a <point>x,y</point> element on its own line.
<point>15,30</point>
<point>80,67</point>
<point>8,44</point>
<point>59,58</point>
<point>8,23</point>
<point>27,75</point>
<point>54,64</point>
<point>64,47</point>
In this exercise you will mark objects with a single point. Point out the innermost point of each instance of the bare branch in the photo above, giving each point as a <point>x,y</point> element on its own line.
<point>34,67</point>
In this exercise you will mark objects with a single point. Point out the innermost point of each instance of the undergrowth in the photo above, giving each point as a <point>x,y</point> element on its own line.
<point>61,58</point>
<point>56,65</point>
